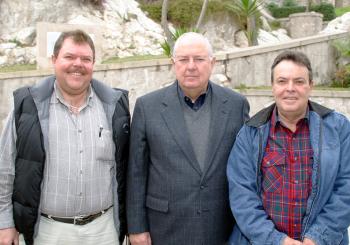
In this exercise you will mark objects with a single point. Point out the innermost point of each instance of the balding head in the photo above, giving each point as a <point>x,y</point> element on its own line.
<point>192,38</point>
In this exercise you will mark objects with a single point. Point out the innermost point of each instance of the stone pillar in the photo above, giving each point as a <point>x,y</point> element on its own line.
<point>305,24</point>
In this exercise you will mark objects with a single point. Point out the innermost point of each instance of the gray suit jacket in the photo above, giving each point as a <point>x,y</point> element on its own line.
<point>167,192</point>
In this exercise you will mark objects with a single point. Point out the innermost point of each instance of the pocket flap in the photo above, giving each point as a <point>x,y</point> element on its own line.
<point>272,159</point>
<point>157,204</point>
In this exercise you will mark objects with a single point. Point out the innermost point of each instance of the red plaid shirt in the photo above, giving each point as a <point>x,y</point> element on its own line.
<point>286,175</point>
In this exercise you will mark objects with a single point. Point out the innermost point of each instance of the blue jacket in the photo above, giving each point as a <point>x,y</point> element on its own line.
<point>328,207</point>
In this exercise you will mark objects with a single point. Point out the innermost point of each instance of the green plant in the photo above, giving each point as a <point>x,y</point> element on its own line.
<point>289,3</point>
<point>326,9</point>
<point>154,10</point>
<point>182,13</point>
<point>341,11</point>
<point>342,77</point>
<point>167,49</point>
<point>284,12</point>
<point>343,48</point>
<point>275,24</point>
<point>248,14</point>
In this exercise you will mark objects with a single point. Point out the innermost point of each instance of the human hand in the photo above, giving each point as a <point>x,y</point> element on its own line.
<point>9,236</point>
<point>140,239</point>
<point>308,241</point>
<point>290,241</point>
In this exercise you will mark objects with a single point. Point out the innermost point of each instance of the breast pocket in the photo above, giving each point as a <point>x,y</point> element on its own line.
<point>105,148</point>
<point>273,170</point>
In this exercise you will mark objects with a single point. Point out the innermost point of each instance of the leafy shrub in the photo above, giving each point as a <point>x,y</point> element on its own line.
<point>182,13</point>
<point>326,9</point>
<point>154,10</point>
<point>342,77</point>
<point>174,35</point>
<point>289,3</point>
<point>284,12</point>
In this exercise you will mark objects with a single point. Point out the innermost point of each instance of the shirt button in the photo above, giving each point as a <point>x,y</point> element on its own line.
<point>80,194</point>
<point>295,158</point>
<point>202,187</point>
<point>79,131</point>
<point>268,163</point>
<point>81,151</point>
<point>296,181</point>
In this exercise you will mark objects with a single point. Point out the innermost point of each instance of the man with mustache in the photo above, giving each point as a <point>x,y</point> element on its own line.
<point>63,155</point>
<point>289,169</point>
<point>181,136</point>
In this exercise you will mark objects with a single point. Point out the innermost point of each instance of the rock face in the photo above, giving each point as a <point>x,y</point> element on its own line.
<point>339,24</point>
<point>126,29</point>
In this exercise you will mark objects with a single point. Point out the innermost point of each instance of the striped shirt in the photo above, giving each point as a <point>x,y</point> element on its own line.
<point>79,159</point>
<point>286,170</point>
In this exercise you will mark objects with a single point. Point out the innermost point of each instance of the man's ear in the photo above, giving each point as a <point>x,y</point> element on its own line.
<point>53,59</point>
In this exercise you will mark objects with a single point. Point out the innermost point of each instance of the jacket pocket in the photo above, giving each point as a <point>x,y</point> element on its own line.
<point>273,169</point>
<point>157,204</point>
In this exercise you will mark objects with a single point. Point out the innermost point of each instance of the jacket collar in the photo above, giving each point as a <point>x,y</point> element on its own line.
<point>264,115</point>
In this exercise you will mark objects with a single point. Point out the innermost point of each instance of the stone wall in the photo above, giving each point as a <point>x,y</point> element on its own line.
<point>245,67</point>
<point>337,100</point>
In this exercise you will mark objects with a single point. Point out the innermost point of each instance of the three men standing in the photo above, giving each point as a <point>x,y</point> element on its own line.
<point>181,136</point>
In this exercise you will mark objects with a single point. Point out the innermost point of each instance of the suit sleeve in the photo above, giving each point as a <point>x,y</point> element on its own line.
<point>137,173</point>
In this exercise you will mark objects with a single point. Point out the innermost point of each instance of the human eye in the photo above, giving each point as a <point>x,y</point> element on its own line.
<point>86,59</point>
<point>199,59</point>
<point>68,57</point>
<point>183,60</point>
<point>281,81</point>
<point>300,81</point>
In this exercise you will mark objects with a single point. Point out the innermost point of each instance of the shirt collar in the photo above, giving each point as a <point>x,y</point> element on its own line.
<point>199,101</point>
<point>275,120</point>
<point>58,97</point>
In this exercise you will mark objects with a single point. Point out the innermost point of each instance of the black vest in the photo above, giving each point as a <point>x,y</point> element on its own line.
<point>30,160</point>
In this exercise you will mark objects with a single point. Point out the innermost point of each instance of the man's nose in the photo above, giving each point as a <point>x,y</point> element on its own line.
<point>191,64</point>
<point>77,61</point>
<point>290,85</point>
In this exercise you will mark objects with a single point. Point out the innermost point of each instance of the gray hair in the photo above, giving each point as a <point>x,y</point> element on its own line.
<point>192,37</point>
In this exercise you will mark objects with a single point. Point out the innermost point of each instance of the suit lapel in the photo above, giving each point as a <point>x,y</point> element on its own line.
<point>174,119</point>
<point>219,110</point>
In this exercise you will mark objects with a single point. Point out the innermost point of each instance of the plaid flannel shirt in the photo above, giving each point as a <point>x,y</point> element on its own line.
<point>287,170</point>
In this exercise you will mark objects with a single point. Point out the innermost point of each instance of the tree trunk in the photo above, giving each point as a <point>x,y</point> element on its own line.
<point>164,24</point>
<point>202,14</point>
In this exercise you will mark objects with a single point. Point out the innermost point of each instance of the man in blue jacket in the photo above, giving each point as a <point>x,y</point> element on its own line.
<point>289,169</point>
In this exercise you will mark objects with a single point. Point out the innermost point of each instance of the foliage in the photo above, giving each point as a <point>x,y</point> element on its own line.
<point>174,35</point>
<point>343,47</point>
<point>290,7</point>
<point>326,9</point>
<point>341,11</point>
<point>275,24</point>
<point>182,13</point>
<point>248,14</point>
<point>284,12</point>
<point>289,3</point>
<point>342,77</point>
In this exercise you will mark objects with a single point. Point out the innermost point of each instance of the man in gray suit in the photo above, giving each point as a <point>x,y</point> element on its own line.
<point>181,137</point>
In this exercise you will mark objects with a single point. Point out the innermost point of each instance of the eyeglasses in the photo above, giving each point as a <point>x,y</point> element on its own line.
<point>184,60</point>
